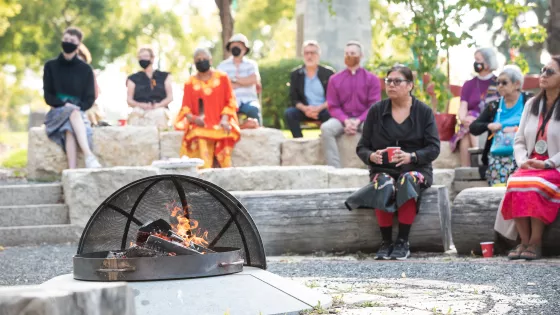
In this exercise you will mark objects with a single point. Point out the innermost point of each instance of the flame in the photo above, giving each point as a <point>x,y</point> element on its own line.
<point>185,226</point>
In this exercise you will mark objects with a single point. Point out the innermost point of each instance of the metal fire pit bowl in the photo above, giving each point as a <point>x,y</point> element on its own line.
<point>96,267</point>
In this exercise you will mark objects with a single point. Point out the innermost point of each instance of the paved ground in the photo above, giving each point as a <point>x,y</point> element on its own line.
<point>427,284</point>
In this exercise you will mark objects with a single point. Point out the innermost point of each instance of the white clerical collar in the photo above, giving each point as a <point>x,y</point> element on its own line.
<point>486,77</point>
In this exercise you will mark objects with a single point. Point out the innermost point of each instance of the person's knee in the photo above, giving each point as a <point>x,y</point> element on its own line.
<point>329,128</point>
<point>291,113</point>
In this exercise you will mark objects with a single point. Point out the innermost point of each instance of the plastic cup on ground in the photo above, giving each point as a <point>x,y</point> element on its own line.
<point>122,122</point>
<point>487,249</point>
<point>391,152</point>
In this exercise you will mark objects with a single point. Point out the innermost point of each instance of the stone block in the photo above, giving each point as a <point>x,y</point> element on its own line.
<point>467,173</point>
<point>40,234</point>
<point>347,150</point>
<point>348,177</point>
<point>459,185</point>
<point>86,189</point>
<point>70,298</point>
<point>444,177</point>
<point>170,144</point>
<point>302,151</point>
<point>113,146</point>
<point>258,147</point>
<point>33,194</point>
<point>446,158</point>
<point>268,178</point>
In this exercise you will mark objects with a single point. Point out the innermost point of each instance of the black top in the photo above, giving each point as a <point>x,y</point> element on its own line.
<point>480,125</point>
<point>68,81</point>
<point>149,91</point>
<point>297,82</point>
<point>418,133</point>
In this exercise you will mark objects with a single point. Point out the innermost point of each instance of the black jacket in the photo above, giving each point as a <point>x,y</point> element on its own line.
<point>480,125</point>
<point>423,139</point>
<point>68,81</point>
<point>297,82</point>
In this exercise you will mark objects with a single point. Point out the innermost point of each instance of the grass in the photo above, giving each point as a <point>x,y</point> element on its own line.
<point>15,160</point>
<point>14,139</point>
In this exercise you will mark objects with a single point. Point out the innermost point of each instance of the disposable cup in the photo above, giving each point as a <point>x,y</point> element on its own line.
<point>122,122</point>
<point>487,249</point>
<point>391,153</point>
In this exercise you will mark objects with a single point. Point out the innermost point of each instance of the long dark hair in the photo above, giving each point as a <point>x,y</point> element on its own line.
<point>405,71</point>
<point>542,95</point>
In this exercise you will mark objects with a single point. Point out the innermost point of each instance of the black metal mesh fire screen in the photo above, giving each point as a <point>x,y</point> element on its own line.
<point>114,225</point>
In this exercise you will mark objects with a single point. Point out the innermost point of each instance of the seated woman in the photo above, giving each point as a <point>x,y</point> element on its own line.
<point>401,121</point>
<point>210,109</point>
<point>533,196</point>
<point>475,95</point>
<point>149,92</point>
<point>95,114</point>
<point>501,118</point>
<point>69,88</point>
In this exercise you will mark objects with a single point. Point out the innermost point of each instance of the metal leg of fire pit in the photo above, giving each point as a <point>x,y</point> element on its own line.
<point>252,291</point>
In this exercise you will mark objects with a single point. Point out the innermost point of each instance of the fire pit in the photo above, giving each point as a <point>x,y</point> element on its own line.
<point>168,227</point>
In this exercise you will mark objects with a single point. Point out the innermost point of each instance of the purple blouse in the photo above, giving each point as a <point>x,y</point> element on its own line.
<point>473,92</point>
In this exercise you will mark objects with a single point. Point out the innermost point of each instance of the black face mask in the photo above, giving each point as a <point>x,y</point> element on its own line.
<point>68,47</point>
<point>144,63</point>
<point>202,65</point>
<point>236,51</point>
<point>478,66</point>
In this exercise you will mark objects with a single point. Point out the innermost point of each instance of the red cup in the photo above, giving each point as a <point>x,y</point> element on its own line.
<point>487,249</point>
<point>122,122</point>
<point>391,152</point>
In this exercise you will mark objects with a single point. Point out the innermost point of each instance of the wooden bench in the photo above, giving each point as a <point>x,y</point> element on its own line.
<point>306,221</point>
<point>474,214</point>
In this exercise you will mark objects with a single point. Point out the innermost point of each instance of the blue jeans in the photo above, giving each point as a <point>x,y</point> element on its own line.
<point>251,109</point>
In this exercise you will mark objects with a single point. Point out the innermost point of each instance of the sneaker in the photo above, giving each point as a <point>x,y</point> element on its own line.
<point>385,251</point>
<point>91,162</point>
<point>401,250</point>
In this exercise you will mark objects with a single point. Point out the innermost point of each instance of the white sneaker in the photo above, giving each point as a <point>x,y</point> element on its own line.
<point>91,162</point>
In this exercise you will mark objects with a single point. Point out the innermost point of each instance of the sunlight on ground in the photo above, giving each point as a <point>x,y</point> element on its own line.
<point>307,133</point>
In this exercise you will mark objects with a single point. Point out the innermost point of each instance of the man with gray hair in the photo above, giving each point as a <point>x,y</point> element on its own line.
<point>350,94</point>
<point>308,90</point>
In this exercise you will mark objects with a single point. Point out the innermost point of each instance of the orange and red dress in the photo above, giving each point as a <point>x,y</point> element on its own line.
<point>210,141</point>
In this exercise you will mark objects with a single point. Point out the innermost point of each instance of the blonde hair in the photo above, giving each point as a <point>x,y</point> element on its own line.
<point>148,49</point>
<point>83,52</point>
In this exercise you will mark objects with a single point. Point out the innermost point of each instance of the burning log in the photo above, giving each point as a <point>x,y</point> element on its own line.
<point>160,244</point>
<point>163,230</point>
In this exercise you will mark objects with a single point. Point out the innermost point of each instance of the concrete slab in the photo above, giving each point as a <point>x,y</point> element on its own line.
<point>33,194</point>
<point>33,215</point>
<point>39,234</point>
<point>253,291</point>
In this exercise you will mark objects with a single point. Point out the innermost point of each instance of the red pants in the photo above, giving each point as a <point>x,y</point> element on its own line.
<point>406,213</point>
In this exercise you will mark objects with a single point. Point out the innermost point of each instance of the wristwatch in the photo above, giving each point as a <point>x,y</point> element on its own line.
<point>234,80</point>
<point>548,165</point>
<point>413,158</point>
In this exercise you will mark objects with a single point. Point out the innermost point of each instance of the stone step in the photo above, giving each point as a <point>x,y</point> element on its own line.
<point>32,194</point>
<point>33,215</point>
<point>39,234</point>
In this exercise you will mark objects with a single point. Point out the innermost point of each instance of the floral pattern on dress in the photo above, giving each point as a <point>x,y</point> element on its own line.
<point>499,169</point>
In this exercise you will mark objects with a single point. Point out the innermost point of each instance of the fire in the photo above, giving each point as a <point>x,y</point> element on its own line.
<point>185,226</point>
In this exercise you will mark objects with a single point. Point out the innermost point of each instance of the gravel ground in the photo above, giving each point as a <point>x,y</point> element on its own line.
<point>34,265</point>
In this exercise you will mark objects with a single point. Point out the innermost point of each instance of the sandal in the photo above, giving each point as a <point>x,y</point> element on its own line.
<point>516,252</point>
<point>532,252</point>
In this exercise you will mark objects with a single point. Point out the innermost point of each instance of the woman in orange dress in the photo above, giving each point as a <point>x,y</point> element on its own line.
<point>208,114</point>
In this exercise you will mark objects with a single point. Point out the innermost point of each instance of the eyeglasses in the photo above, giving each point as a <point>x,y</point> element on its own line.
<point>396,82</point>
<point>503,82</point>
<point>547,72</point>
<point>310,53</point>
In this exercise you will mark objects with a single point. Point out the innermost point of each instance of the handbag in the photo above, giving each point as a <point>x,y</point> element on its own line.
<point>446,125</point>
<point>503,142</point>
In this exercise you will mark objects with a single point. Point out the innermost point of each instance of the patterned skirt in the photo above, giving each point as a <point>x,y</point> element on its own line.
<point>57,123</point>
<point>532,193</point>
<point>499,169</point>
<point>461,133</point>
<point>387,193</point>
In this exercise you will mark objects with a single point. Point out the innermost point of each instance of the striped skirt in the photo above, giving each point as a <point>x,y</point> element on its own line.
<point>532,193</point>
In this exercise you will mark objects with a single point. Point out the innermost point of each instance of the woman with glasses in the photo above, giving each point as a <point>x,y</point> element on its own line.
<point>475,95</point>
<point>501,119</point>
<point>399,142</point>
<point>533,194</point>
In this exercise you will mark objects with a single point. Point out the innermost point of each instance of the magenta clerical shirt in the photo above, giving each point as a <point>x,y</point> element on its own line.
<point>351,95</point>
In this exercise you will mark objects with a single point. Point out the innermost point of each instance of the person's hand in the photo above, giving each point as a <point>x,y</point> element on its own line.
<point>312,112</point>
<point>377,156</point>
<point>401,158</point>
<point>224,123</point>
<point>146,106</point>
<point>350,128</point>
<point>509,129</point>
<point>468,120</point>
<point>235,85</point>
<point>535,164</point>
<point>197,120</point>
<point>494,127</point>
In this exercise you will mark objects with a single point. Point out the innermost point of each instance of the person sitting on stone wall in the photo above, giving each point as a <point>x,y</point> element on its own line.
<point>350,94</point>
<point>208,115</point>
<point>399,143</point>
<point>69,88</point>
<point>149,92</point>
<point>308,89</point>
<point>244,75</point>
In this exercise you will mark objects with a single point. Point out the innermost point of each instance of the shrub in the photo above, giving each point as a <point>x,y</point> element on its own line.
<point>275,78</point>
<point>16,160</point>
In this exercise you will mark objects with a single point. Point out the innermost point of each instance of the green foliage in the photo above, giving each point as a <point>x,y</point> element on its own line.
<point>8,9</point>
<point>276,90</point>
<point>16,160</point>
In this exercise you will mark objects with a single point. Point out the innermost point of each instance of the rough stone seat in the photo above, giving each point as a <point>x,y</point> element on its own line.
<point>473,216</point>
<point>305,221</point>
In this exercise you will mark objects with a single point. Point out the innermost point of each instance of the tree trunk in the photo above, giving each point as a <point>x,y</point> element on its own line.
<point>227,23</point>
<point>553,28</point>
